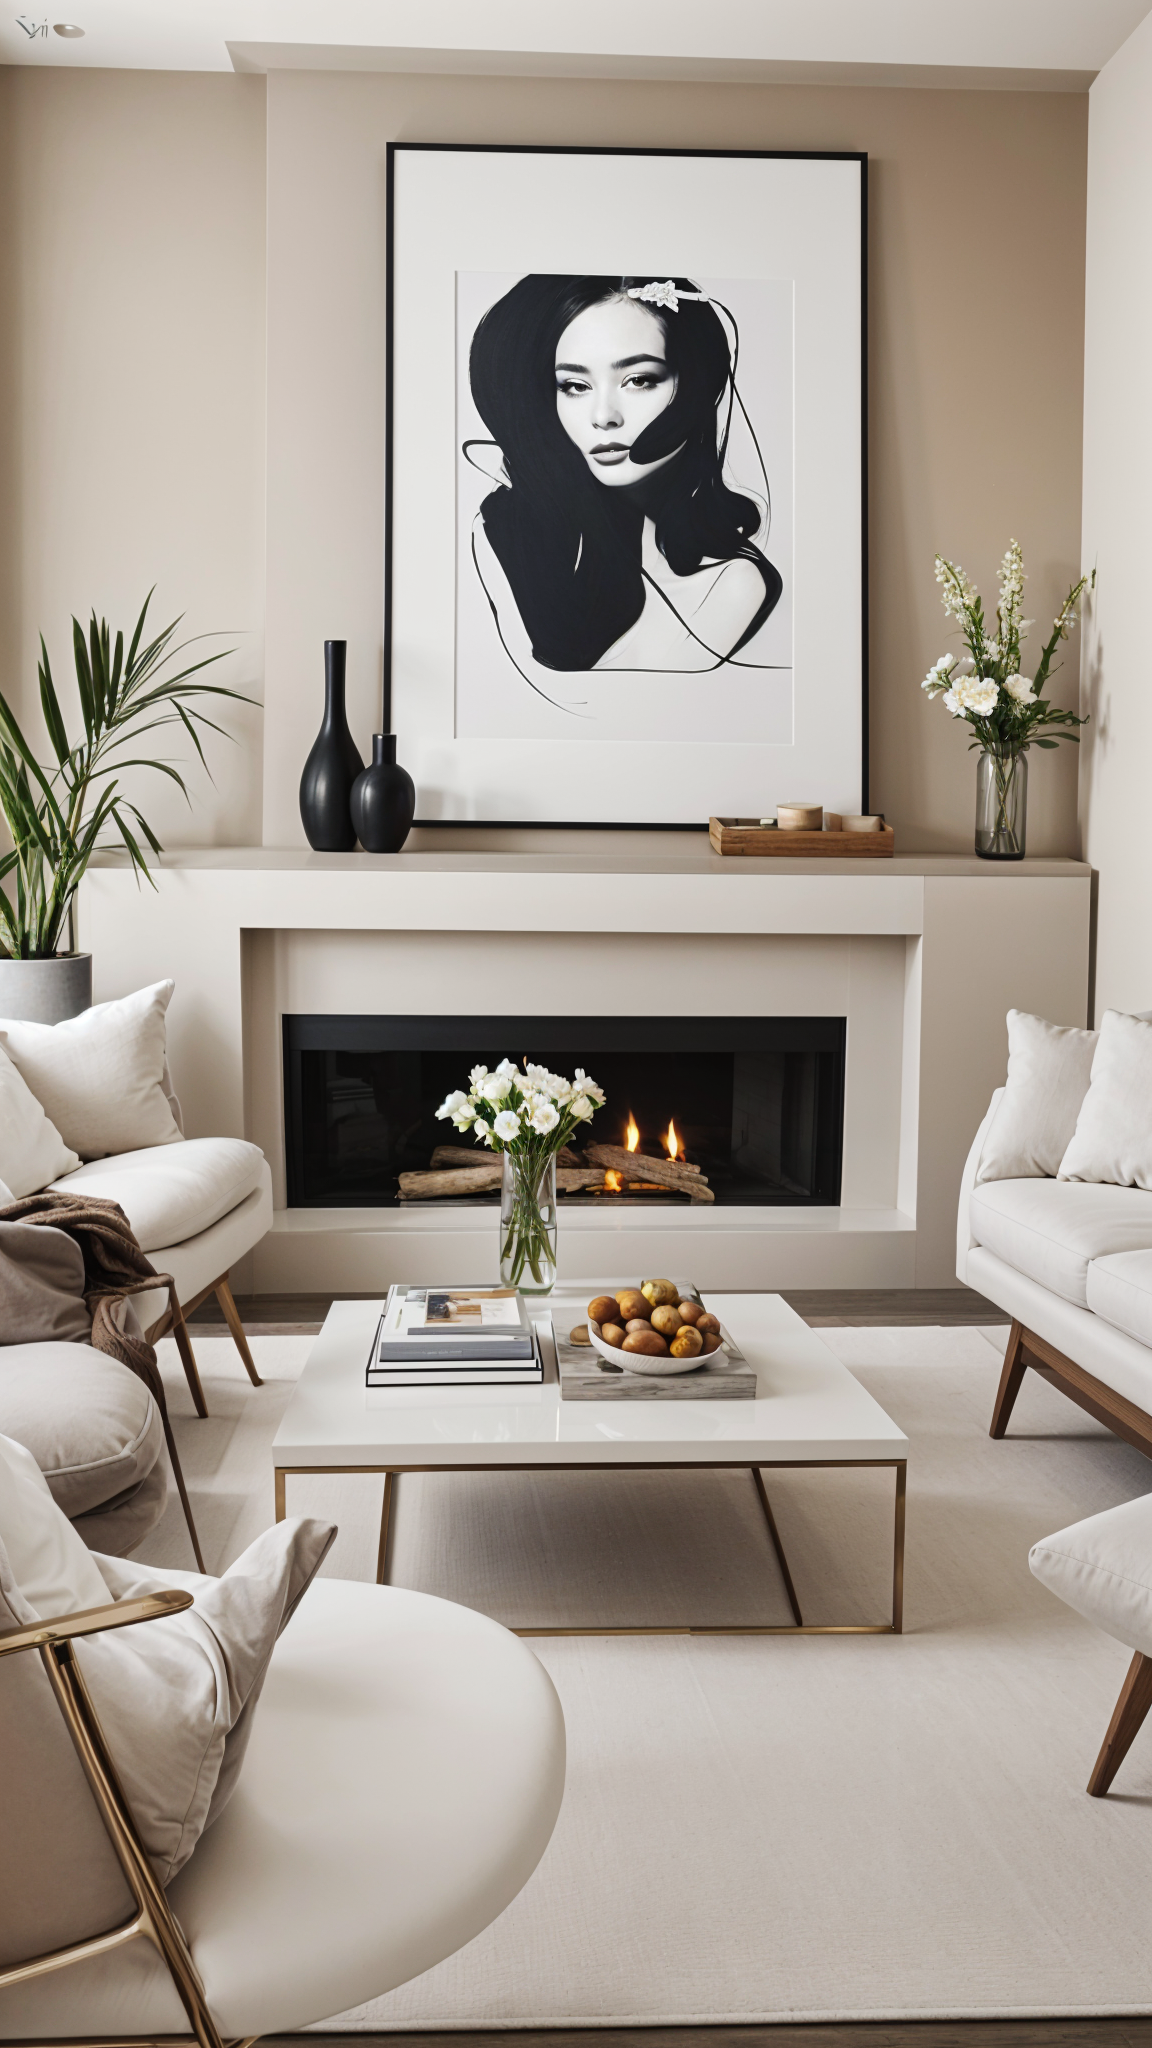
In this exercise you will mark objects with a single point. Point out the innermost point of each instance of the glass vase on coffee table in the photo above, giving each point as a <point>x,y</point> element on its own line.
<point>528,1117</point>
<point>528,1224</point>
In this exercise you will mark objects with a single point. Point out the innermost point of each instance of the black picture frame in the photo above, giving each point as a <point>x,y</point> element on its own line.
<point>398,149</point>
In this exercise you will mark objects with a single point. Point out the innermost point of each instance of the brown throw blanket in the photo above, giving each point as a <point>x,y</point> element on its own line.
<point>115,1269</point>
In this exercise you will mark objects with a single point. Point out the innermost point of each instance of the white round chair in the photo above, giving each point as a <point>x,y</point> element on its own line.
<point>401,1783</point>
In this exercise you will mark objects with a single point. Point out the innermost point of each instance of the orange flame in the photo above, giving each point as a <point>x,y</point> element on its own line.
<point>613,1182</point>
<point>632,1134</point>
<point>672,1141</point>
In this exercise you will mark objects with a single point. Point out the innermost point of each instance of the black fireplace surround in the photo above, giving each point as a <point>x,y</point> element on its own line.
<point>758,1102</point>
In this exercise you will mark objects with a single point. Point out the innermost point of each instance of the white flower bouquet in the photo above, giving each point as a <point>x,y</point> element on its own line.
<point>1007,711</point>
<point>527,1117</point>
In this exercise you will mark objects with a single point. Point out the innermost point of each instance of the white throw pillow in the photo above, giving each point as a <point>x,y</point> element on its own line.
<point>51,1563</point>
<point>32,1152</point>
<point>175,1696</point>
<point>1113,1136</point>
<point>101,1075</point>
<point>1049,1069</point>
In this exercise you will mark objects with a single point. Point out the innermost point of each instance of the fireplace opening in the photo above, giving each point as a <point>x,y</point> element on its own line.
<point>736,1111</point>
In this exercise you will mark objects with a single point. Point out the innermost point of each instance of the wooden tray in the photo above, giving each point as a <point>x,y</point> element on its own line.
<point>725,1376</point>
<point>747,835</point>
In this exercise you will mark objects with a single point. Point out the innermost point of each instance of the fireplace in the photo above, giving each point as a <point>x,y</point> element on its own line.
<point>753,1104</point>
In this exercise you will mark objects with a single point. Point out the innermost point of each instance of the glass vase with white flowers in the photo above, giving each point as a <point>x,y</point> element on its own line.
<point>1007,712</point>
<point>527,1117</point>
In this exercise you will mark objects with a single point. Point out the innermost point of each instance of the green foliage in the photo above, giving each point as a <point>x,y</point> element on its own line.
<point>60,815</point>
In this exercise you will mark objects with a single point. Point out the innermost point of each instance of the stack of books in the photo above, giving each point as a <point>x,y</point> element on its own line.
<point>454,1337</point>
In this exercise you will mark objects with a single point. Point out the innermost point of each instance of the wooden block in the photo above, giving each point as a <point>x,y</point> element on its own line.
<point>748,836</point>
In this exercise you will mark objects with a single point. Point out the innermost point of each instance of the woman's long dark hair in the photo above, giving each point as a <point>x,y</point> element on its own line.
<point>570,546</point>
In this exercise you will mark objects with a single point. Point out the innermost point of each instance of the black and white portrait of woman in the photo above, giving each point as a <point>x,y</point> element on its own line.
<point>624,506</point>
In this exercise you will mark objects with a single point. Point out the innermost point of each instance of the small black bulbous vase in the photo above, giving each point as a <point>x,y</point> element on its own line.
<point>332,766</point>
<point>383,799</point>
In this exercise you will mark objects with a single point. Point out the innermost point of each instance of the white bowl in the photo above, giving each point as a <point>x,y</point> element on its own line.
<point>639,1361</point>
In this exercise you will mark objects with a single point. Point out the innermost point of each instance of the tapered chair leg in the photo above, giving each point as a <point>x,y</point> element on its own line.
<point>187,1356</point>
<point>1011,1379</point>
<point>1127,1720</point>
<point>227,1302</point>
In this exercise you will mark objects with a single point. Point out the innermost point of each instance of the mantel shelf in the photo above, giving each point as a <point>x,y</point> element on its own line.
<point>503,850</point>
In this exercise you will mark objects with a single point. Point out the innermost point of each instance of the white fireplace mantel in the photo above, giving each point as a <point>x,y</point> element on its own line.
<point>923,954</point>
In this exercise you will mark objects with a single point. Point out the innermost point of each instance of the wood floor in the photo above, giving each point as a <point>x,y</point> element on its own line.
<point>268,1315</point>
<point>1125,2033</point>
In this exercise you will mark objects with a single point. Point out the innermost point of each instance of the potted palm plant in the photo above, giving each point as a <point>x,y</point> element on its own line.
<point>60,813</point>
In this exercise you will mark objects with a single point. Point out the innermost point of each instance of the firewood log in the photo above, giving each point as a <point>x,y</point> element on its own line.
<point>461,1180</point>
<point>479,1179</point>
<point>478,1155</point>
<point>669,1173</point>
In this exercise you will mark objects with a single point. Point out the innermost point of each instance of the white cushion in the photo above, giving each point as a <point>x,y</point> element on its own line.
<point>176,1698</point>
<point>1120,1290</point>
<point>1113,1136</point>
<point>52,1565</point>
<point>175,1191</point>
<point>197,1263</point>
<point>100,1076</point>
<point>32,1152</point>
<point>89,1422</point>
<point>1107,1353</point>
<point>1049,1068</point>
<point>1052,1229</point>
<point>1103,1568</point>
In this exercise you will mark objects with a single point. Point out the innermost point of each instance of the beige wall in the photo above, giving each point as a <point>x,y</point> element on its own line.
<point>132,368</point>
<point>1116,781</point>
<point>977,223</point>
<point>132,323</point>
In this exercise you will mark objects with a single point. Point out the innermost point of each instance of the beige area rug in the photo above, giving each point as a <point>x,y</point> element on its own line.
<point>761,1829</point>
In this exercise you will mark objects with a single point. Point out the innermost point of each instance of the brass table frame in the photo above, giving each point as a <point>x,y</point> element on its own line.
<point>393,1473</point>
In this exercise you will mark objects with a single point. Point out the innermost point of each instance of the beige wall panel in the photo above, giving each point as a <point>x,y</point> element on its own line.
<point>976,234</point>
<point>132,357</point>
<point>1116,770</point>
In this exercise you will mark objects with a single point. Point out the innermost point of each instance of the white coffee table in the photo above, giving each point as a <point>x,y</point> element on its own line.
<point>809,1411</point>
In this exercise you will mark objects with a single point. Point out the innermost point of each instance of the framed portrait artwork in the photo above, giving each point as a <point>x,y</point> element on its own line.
<point>625,523</point>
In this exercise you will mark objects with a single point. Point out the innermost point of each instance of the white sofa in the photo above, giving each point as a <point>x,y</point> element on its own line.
<point>1071,1263</point>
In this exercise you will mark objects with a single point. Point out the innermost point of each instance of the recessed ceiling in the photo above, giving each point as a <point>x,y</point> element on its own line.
<point>1042,43</point>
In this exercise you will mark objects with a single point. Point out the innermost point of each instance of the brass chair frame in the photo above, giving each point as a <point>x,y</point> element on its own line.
<point>153,1919</point>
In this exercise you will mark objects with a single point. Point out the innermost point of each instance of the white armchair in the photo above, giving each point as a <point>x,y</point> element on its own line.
<point>401,1783</point>
<point>196,1208</point>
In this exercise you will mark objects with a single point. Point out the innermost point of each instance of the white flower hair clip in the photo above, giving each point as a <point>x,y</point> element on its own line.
<point>665,294</point>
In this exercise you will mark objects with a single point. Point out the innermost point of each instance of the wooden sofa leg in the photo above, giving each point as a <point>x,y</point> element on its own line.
<point>1011,1379</point>
<point>227,1302</point>
<point>187,1356</point>
<point>1127,1720</point>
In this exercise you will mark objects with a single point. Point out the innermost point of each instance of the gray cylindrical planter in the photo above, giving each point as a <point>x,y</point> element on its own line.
<point>46,991</point>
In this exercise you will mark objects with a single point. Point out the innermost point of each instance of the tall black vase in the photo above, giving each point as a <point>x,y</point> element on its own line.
<point>383,799</point>
<point>332,766</point>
